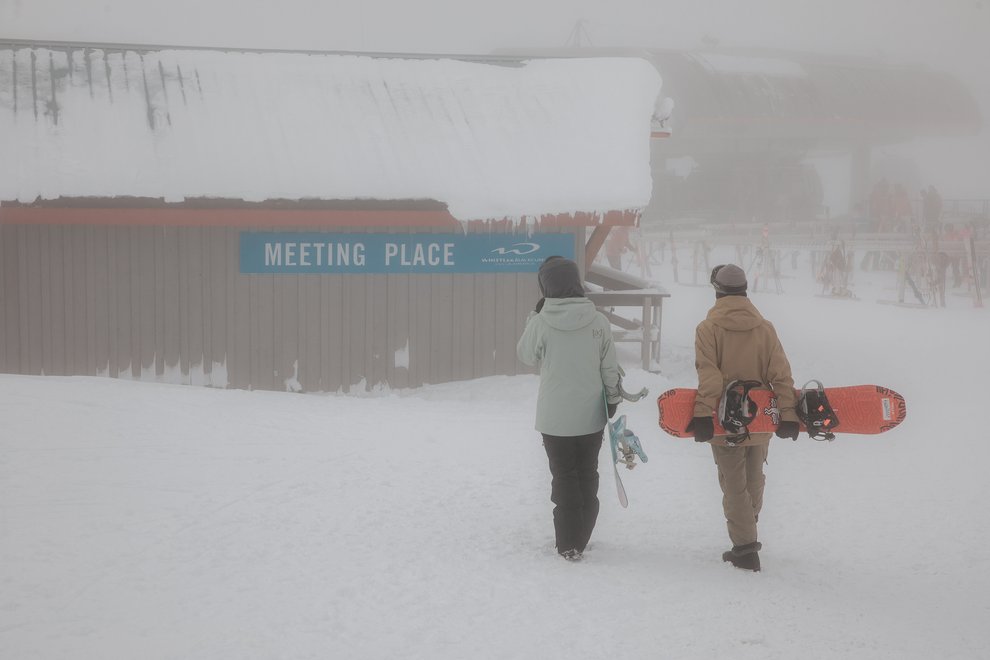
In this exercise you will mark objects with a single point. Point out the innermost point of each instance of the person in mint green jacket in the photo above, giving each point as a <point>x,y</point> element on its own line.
<point>572,343</point>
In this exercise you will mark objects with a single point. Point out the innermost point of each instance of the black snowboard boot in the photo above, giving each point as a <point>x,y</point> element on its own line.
<point>746,557</point>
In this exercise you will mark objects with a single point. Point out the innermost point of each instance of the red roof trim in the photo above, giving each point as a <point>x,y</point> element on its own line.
<point>224,217</point>
<point>186,217</point>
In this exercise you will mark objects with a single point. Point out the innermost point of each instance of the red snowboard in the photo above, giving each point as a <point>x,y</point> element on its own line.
<point>861,409</point>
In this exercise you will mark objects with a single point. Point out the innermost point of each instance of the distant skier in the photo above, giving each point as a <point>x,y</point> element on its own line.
<point>735,342</point>
<point>616,245</point>
<point>572,342</point>
<point>931,207</point>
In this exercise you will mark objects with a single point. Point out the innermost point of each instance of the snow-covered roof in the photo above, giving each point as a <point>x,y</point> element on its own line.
<point>490,140</point>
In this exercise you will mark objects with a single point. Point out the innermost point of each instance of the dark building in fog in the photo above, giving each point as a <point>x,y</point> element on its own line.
<point>747,121</point>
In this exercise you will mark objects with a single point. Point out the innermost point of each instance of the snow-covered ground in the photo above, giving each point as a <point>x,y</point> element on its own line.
<point>153,521</point>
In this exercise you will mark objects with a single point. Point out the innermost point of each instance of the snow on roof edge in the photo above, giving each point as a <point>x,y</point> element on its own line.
<point>547,137</point>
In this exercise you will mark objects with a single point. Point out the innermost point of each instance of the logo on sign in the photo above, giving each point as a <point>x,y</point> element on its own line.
<point>518,248</point>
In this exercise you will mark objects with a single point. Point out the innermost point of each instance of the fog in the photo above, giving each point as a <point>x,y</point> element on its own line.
<point>949,36</point>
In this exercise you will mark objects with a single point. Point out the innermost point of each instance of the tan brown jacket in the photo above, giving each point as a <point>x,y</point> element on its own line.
<point>735,342</point>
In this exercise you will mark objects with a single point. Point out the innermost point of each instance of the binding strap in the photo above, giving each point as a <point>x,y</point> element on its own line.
<point>626,395</point>
<point>815,412</point>
<point>736,410</point>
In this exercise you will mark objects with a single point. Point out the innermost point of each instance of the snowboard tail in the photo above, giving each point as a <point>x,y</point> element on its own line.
<point>860,409</point>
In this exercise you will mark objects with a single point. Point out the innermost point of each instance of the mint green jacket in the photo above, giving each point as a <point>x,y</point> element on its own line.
<point>572,342</point>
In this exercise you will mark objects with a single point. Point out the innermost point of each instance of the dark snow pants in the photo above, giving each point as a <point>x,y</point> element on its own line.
<point>574,488</point>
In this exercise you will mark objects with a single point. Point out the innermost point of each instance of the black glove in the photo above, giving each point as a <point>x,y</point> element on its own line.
<point>787,430</point>
<point>703,427</point>
<point>539,304</point>
<point>612,407</point>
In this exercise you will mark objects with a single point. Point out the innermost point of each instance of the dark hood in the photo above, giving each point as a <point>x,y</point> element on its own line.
<point>560,278</point>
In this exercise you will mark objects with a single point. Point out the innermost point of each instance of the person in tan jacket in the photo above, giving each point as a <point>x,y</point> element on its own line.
<point>735,343</point>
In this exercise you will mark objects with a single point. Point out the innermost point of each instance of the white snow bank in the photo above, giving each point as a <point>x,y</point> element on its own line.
<point>142,520</point>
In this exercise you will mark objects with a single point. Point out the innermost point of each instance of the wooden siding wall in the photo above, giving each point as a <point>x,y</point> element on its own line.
<point>169,304</point>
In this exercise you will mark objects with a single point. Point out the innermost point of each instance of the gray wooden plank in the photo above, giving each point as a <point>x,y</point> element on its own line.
<point>103,335</point>
<point>332,331</point>
<point>397,371</point>
<point>505,323</point>
<point>171,315</point>
<point>303,304</point>
<point>144,289</point>
<point>277,326</point>
<point>65,291</point>
<point>310,358</point>
<point>441,330</point>
<point>420,356</point>
<point>193,309</point>
<point>29,299</point>
<point>113,367</point>
<point>377,319</point>
<point>122,293</point>
<point>129,290</point>
<point>345,311</point>
<point>8,299</point>
<point>73,247</point>
<point>463,331</point>
<point>417,355</point>
<point>254,348</point>
<point>45,278</point>
<point>239,361</point>
<point>133,292</point>
<point>324,329</point>
<point>206,297</point>
<point>357,330</point>
<point>484,326</point>
<point>183,302</point>
<point>218,258</point>
<point>400,318</point>
<point>286,327</point>
<point>377,357</point>
<point>8,338</point>
<point>59,299</point>
<point>74,290</point>
<point>262,331</point>
<point>89,300</point>
<point>292,356</point>
<point>158,299</point>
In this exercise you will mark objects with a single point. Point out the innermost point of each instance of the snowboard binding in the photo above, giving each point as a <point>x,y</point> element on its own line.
<point>736,410</point>
<point>815,412</point>
<point>626,443</point>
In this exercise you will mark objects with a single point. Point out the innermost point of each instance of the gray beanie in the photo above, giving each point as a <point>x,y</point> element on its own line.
<point>729,280</point>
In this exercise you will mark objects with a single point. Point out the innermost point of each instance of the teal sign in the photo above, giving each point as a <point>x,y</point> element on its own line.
<point>322,252</point>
